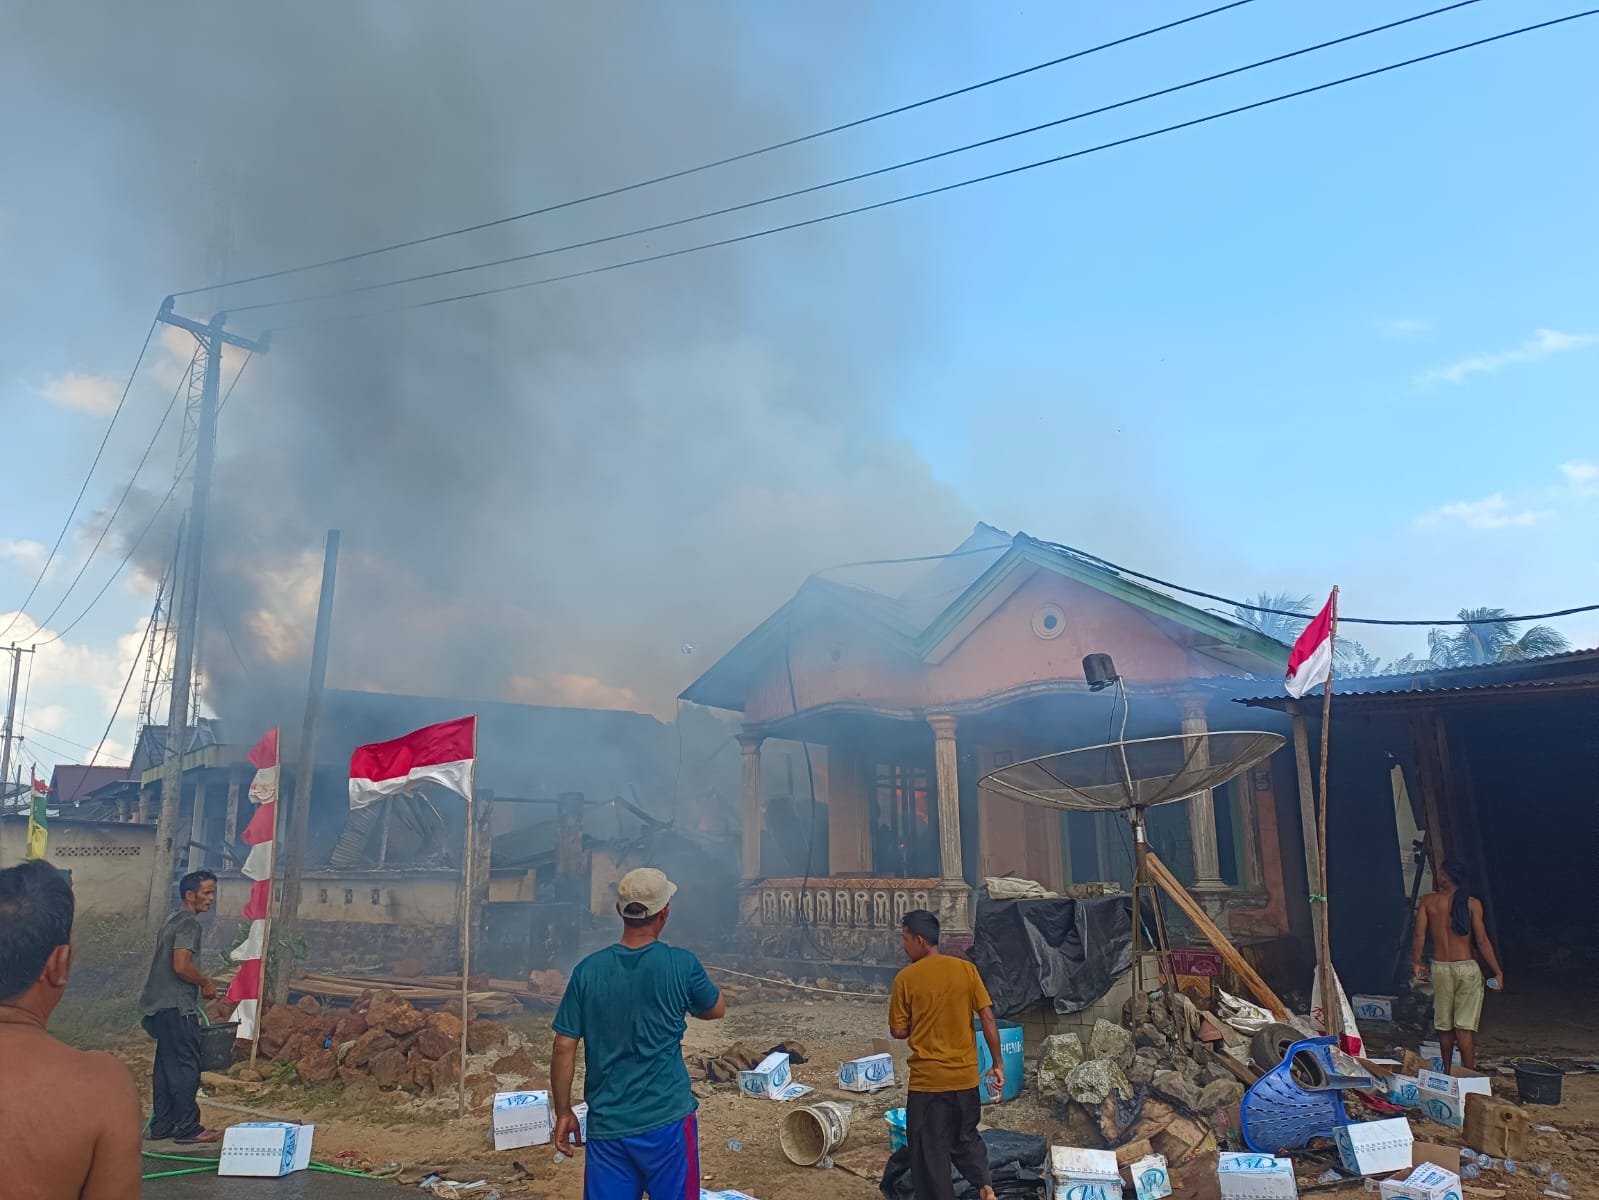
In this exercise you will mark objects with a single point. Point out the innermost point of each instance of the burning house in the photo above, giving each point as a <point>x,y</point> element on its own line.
<point>904,701</point>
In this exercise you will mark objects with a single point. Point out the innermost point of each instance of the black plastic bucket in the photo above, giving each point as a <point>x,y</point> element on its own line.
<point>1538,1082</point>
<point>216,1046</point>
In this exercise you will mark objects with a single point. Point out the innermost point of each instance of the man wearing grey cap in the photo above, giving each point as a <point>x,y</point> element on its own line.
<point>627,1004</point>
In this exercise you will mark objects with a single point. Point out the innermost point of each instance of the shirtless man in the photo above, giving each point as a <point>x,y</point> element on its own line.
<point>71,1118</point>
<point>1454,918</point>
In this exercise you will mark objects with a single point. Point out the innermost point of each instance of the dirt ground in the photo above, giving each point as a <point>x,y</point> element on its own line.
<point>372,1130</point>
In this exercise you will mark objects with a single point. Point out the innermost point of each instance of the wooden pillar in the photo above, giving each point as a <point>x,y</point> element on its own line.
<point>1209,886</point>
<point>1307,813</point>
<point>197,857</point>
<point>230,827</point>
<point>571,877</point>
<point>482,854</point>
<point>1427,776</point>
<point>954,895</point>
<point>1252,871</point>
<point>750,745</point>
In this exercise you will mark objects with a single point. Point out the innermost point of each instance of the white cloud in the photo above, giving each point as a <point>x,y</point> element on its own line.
<point>1491,512</point>
<point>25,552</point>
<point>1540,345</point>
<point>1582,477</point>
<point>1407,327</point>
<point>81,392</point>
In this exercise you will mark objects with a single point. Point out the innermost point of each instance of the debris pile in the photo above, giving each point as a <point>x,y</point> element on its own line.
<point>1156,1084</point>
<point>384,1041</point>
<point>724,1067</point>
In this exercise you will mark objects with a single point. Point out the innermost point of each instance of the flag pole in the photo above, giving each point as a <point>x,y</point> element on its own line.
<point>266,922</point>
<point>1332,1009</point>
<point>466,921</point>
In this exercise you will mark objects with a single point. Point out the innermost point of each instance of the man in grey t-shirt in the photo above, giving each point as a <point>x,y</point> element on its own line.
<point>168,1007</point>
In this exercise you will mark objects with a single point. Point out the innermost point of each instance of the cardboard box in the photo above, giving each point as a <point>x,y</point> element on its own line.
<point>1084,1174</point>
<point>1404,1090</point>
<point>522,1119</point>
<point>1432,1055</point>
<point>1447,1157</point>
<point>1151,1178</point>
<point>1376,1147</point>
<point>1427,1182</point>
<point>869,1074</point>
<point>1256,1177</point>
<point>265,1148</point>
<point>767,1079</point>
<point>1373,1008</point>
<point>1443,1097</point>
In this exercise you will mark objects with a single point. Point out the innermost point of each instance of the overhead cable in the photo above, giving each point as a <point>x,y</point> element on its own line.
<point>446,272</point>
<point>949,187</point>
<point>721,162</point>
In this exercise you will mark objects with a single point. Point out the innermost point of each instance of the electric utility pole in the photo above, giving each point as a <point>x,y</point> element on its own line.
<point>191,553</point>
<point>11,713</point>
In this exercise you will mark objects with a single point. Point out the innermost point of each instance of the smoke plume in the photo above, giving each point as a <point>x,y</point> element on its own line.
<point>547,495</point>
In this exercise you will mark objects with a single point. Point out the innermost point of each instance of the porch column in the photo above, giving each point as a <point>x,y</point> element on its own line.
<point>953,892</point>
<point>147,795</point>
<point>230,820</point>
<point>1208,885</point>
<point>750,745</point>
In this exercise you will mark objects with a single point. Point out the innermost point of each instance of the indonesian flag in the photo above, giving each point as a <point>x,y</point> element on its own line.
<point>1310,661</point>
<point>245,990</point>
<point>444,754</point>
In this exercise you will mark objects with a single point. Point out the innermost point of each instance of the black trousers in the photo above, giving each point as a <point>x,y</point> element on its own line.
<point>176,1076</point>
<point>941,1128</point>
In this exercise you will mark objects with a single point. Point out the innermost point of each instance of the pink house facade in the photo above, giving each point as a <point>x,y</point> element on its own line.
<point>906,701</point>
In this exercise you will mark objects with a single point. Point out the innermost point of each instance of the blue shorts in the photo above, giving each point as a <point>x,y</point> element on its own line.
<point>664,1162</point>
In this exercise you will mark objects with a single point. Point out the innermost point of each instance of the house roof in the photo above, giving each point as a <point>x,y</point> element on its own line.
<point>920,620</point>
<point>151,749</point>
<point>71,783</point>
<point>1564,671</point>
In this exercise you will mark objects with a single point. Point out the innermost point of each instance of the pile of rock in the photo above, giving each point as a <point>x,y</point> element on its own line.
<point>385,1042</point>
<point>1150,1081</point>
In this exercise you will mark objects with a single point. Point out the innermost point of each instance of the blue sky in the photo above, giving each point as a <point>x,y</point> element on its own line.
<point>1351,339</point>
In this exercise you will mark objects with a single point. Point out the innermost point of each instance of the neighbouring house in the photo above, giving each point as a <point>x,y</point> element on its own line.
<point>109,861</point>
<point>906,700</point>
<point>1496,765</point>
<point>71,784</point>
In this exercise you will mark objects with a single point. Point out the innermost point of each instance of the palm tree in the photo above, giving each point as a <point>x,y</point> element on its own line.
<point>1352,660</point>
<point>1490,636</point>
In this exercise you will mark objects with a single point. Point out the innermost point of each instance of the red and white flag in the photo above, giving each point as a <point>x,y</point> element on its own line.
<point>260,835</point>
<point>444,754</point>
<point>1310,661</point>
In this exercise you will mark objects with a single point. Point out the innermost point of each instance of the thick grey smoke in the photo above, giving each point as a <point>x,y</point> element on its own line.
<point>545,495</point>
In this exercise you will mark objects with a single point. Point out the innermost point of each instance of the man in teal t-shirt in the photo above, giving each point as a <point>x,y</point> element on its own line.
<point>627,1004</point>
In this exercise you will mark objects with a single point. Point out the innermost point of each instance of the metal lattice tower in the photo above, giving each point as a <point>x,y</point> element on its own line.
<point>156,689</point>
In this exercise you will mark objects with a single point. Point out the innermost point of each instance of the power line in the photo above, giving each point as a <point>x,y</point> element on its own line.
<point>721,162</point>
<point>45,733</point>
<point>148,525</point>
<point>67,524</point>
<point>361,289</point>
<point>126,492</point>
<point>949,187</point>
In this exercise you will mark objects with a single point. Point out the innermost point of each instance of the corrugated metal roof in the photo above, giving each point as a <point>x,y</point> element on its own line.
<point>1548,670</point>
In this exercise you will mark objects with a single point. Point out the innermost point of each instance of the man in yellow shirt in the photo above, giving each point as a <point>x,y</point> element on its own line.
<point>931,1007</point>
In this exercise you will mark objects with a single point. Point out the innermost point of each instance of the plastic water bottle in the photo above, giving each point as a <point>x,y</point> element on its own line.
<point>1510,1166</point>
<point>1541,1170</point>
<point>735,1145</point>
<point>1467,1154</point>
<point>826,1164</point>
<point>1487,1162</point>
<point>1558,1182</point>
<point>1470,1171</point>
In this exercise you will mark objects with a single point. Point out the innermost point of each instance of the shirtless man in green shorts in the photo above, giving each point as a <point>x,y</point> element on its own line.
<point>1454,918</point>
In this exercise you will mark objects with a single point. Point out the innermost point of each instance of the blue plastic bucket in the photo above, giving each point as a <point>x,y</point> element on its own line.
<point>896,1126</point>
<point>1012,1055</point>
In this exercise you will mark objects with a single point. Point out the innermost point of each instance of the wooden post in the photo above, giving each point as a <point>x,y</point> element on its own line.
<point>1307,820</point>
<point>230,821</point>
<point>1426,748</point>
<point>466,924</point>
<point>1331,1007</point>
<point>1196,913</point>
<point>195,856</point>
<point>569,873</point>
<point>750,860</point>
<point>300,816</point>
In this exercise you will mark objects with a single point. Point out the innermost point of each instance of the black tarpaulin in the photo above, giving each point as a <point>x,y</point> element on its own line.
<point>1067,952</point>
<point>1015,1165</point>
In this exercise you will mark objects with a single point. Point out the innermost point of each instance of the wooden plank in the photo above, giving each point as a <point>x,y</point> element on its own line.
<point>1307,817</point>
<point>1426,748</point>
<point>1213,934</point>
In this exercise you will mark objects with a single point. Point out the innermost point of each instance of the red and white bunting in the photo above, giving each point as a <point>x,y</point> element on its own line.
<point>245,990</point>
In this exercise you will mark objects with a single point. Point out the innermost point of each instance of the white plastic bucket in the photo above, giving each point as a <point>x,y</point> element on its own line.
<point>812,1132</point>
